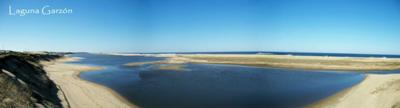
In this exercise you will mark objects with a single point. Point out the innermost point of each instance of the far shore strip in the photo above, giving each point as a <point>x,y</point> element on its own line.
<point>78,93</point>
<point>282,61</point>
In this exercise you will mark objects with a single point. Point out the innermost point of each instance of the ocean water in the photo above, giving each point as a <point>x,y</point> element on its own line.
<point>290,53</point>
<point>214,86</point>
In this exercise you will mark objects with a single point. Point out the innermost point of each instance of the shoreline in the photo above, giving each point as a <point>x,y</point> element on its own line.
<point>375,91</point>
<point>80,93</point>
<point>356,64</point>
<point>334,98</point>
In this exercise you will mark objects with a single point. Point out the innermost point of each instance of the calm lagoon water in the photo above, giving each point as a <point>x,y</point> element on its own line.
<point>214,86</point>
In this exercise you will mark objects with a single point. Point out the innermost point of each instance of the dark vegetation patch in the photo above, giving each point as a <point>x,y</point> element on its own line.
<point>24,83</point>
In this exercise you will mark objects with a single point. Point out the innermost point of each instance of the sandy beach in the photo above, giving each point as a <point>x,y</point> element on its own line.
<point>376,91</point>
<point>77,93</point>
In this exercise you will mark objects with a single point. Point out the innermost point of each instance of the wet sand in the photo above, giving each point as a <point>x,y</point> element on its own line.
<point>77,93</point>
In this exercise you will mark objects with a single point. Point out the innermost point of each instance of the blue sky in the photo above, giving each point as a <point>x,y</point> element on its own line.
<point>340,26</point>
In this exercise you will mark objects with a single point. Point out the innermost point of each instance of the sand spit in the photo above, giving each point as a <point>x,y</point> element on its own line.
<point>296,62</point>
<point>77,93</point>
<point>161,65</point>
